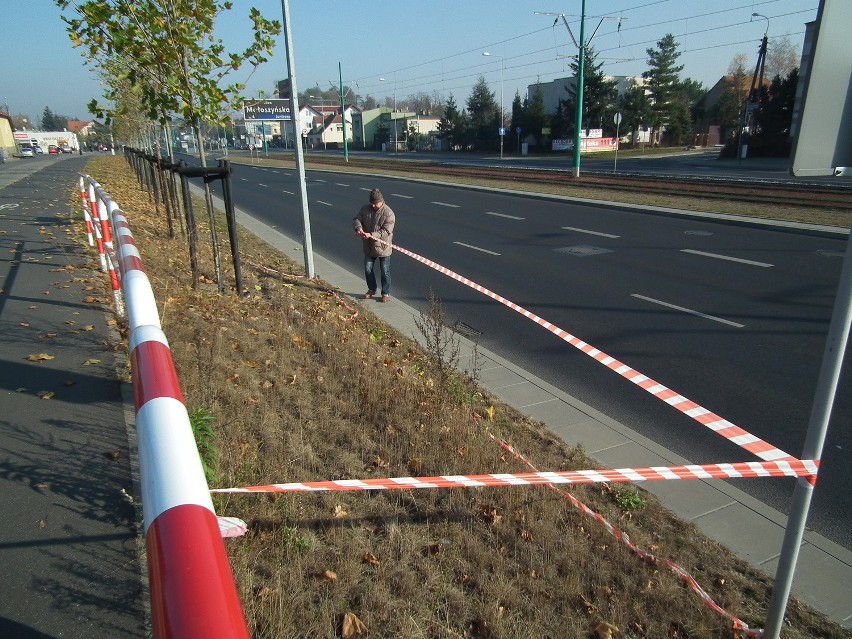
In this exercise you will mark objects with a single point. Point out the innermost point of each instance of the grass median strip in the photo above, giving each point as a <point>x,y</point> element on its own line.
<point>288,384</point>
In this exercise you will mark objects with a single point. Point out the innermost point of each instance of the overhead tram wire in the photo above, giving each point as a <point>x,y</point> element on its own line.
<point>476,49</point>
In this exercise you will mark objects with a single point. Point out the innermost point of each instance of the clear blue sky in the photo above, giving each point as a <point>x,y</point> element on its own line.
<point>427,45</point>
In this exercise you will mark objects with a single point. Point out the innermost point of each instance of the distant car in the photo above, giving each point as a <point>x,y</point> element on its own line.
<point>67,149</point>
<point>38,149</point>
<point>53,150</point>
<point>27,152</point>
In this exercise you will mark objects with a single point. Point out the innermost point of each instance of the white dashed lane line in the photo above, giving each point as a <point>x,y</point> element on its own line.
<point>288,192</point>
<point>340,184</point>
<point>588,232</point>
<point>404,197</point>
<point>261,184</point>
<point>726,257</point>
<point>476,248</point>
<point>511,217</point>
<point>687,310</point>
<point>452,206</point>
<point>325,203</point>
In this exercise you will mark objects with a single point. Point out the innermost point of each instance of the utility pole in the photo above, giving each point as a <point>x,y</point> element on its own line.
<point>746,117</point>
<point>343,112</point>
<point>307,246</point>
<point>578,116</point>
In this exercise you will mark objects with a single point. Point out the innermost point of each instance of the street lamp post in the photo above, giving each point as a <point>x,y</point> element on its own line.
<point>393,115</point>
<point>756,86</point>
<point>502,129</point>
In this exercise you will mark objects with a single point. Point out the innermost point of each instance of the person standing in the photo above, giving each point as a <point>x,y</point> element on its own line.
<point>375,222</point>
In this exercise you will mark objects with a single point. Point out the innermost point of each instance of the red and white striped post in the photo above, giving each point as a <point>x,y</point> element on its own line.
<point>87,216</point>
<point>191,586</point>
<point>93,206</point>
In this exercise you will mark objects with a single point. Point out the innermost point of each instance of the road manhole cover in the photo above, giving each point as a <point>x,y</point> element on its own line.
<point>583,250</point>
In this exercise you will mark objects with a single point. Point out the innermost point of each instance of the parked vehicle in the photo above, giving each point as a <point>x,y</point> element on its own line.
<point>27,152</point>
<point>53,150</point>
<point>38,150</point>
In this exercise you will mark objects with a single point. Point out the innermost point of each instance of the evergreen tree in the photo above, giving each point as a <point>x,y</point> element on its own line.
<point>775,117</point>
<point>484,114</point>
<point>50,121</point>
<point>516,121</point>
<point>599,94</point>
<point>561,122</point>
<point>636,109</point>
<point>535,118</point>
<point>452,124</point>
<point>663,81</point>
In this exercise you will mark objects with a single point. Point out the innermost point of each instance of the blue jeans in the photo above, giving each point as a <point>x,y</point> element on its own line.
<point>384,268</point>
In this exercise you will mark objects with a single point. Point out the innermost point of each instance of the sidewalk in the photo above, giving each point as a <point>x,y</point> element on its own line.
<point>68,539</point>
<point>743,524</point>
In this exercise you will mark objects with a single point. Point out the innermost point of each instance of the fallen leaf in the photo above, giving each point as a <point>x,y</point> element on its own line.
<point>89,327</point>
<point>41,486</point>
<point>352,626</point>
<point>329,576</point>
<point>41,357</point>
<point>91,362</point>
<point>290,380</point>
<point>414,465</point>
<point>41,523</point>
<point>21,390</point>
<point>370,558</point>
<point>604,630</point>
<point>339,512</point>
<point>45,394</point>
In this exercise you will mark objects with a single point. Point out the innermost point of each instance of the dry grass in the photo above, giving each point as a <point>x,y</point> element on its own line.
<point>300,390</point>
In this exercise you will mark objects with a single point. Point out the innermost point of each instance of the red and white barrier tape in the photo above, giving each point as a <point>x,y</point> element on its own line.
<point>737,470</point>
<point>640,552</point>
<point>714,422</point>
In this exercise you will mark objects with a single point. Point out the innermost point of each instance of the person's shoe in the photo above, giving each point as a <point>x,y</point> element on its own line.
<point>368,295</point>
<point>384,298</point>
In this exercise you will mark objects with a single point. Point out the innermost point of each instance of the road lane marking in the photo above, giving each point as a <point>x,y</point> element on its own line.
<point>261,184</point>
<point>688,310</point>
<point>288,192</point>
<point>571,228</point>
<point>452,206</point>
<point>326,203</point>
<point>340,184</point>
<point>323,181</point>
<point>476,248</point>
<point>405,197</point>
<point>511,217</point>
<point>726,257</point>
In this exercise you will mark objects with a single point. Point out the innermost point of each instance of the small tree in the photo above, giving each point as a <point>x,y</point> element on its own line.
<point>167,49</point>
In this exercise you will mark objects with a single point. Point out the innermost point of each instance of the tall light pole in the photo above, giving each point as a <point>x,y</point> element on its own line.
<point>393,115</point>
<point>502,128</point>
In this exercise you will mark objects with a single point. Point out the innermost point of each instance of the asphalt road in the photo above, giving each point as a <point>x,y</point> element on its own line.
<point>731,317</point>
